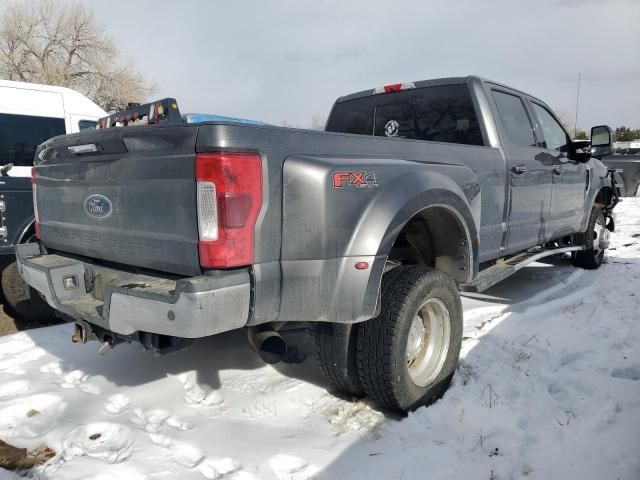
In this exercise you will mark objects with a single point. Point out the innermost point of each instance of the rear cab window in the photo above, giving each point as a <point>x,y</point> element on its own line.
<point>443,113</point>
<point>20,135</point>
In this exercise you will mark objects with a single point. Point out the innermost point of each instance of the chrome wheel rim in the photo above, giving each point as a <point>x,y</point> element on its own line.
<point>600,236</point>
<point>428,342</point>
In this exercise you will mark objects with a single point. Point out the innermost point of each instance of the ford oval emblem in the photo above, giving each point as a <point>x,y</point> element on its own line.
<point>98,206</point>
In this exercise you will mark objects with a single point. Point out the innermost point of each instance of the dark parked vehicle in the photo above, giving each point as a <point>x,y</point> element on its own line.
<point>17,222</point>
<point>159,234</point>
<point>628,172</point>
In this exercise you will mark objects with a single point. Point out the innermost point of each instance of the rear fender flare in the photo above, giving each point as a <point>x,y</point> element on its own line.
<point>408,195</point>
<point>436,198</point>
<point>438,192</point>
<point>412,194</point>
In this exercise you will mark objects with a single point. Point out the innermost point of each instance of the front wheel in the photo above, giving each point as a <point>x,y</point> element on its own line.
<point>595,241</point>
<point>406,357</point>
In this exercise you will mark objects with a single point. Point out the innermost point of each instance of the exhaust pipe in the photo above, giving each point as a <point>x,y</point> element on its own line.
<point>268,343</point>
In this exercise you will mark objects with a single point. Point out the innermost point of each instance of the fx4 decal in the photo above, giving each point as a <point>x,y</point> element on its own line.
<point>355,179</point>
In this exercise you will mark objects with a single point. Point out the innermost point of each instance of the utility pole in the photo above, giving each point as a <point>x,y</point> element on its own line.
<point>575,125</point>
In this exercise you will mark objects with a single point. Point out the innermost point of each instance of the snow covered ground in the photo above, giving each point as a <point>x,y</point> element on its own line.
<point>548,387</point>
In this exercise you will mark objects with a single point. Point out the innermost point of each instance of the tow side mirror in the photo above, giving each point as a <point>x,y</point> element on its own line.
<point>602,139</point>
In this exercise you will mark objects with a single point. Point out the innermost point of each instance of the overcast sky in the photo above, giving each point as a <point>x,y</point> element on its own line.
<point>288,60</point>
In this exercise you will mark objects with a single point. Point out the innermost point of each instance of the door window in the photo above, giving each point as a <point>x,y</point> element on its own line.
<point>514,118</point>
<point>21,134</point>
<point>555,138</point>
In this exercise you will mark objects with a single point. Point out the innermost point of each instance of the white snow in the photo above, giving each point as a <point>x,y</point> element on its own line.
<point>548,387</point>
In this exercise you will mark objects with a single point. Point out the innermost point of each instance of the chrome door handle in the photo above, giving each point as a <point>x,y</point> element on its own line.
<point>557,170</point>
<point>519,169</point>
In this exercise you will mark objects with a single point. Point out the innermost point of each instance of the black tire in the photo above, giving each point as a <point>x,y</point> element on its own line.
<point>336,350</point>
<point>593,255</point>
<point>382,349</point>
<point>26,301</point>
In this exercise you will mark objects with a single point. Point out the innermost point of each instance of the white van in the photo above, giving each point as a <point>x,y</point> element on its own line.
<point>32,113</point>
<point>29,115</point>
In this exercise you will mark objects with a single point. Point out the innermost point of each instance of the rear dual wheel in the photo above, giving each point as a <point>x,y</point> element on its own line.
<point>405,357</point>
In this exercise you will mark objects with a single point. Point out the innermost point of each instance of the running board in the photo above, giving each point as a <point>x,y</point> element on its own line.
<point>505,268</point>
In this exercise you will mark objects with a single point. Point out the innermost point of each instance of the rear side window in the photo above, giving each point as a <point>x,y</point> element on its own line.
<point>21,134</point>
<point>87,125</point>
<point>514,118</point>
<point>439,114</point>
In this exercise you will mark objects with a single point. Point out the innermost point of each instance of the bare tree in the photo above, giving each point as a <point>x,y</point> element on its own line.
<point>60,43</point>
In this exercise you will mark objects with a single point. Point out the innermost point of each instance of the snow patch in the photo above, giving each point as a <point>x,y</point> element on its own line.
<point>31,416</point>
<point>288,467</point>
<point>194,394</point>
<point>183,453</point>
<point>117,403</point>
<point>628,373</point>
<point>218,468</point>
<point>547,387</point>
<point>52,367</point>
<point>110,442</point>
<point>151,420</point>
<point>13,389</point>
<point>179,424</point>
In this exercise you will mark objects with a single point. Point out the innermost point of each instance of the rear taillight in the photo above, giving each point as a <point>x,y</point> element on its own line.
<point>229,195</point>
<point>35,200</point>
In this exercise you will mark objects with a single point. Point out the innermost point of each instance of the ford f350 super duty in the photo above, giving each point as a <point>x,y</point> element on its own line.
<point>168,230</point>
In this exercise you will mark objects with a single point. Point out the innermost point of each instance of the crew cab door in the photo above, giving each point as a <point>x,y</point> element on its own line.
<point>529,173</point>
<point>569,176</point>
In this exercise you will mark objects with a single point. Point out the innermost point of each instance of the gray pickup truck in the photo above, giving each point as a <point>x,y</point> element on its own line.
<point>169,231</point>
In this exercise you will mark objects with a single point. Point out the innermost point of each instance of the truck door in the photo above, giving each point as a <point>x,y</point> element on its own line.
<point>569,176</point>
<point>529,173</point>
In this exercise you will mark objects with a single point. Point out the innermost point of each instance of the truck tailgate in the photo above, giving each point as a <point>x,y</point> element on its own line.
<point>132,201</point>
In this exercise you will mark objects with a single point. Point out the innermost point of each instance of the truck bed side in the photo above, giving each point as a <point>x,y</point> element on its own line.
<point>311,237</point>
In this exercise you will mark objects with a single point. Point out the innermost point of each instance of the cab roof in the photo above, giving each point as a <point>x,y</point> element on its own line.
<point>435,82</point>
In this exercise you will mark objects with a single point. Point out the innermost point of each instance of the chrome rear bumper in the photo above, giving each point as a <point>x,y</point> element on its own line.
<point>126,303</point>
